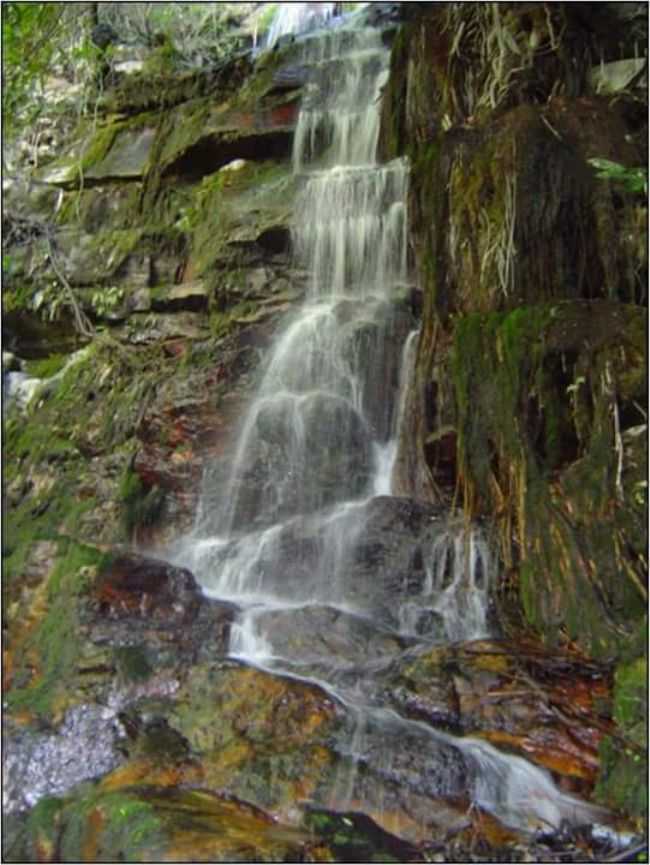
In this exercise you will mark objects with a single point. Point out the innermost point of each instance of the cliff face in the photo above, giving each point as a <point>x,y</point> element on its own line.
<point>162,234</point>
<point>147,271</point>
<point>529,403</point>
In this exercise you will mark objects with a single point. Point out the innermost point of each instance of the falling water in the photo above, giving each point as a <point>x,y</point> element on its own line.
<point>318,444</point>
<point>297,18</point>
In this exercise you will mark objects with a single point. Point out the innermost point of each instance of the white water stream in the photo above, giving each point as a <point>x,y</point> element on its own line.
<point>318,443</point>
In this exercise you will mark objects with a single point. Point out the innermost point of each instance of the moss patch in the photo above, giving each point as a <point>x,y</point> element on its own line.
<point>270,746</point>
<point>624,759</point>
<point>142,506</point>
<point>50,647</point>
<point>546,420</point>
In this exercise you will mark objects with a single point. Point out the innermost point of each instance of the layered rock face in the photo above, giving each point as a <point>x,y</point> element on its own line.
<point>150,268</point>
<point>529,401</point>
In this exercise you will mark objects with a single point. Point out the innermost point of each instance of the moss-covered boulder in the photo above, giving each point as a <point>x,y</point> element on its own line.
<point>154,823</point>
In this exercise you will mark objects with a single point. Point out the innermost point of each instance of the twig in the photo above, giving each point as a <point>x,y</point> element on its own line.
<point>550,128</point>
<point>82,321</point>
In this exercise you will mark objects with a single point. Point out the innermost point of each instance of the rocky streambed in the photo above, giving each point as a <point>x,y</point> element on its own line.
<point>166,745</point>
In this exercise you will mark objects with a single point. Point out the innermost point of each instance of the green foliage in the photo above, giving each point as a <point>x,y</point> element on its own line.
<point>183,35</point>
<point>633,180</point>
<point>29,45</point>
<point>107,300</point>
<point>50,300</point>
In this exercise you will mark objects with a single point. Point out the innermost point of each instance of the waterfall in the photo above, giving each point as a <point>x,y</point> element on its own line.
<point>315,455</point>
<point>319,437</point>
<point>296,18</point>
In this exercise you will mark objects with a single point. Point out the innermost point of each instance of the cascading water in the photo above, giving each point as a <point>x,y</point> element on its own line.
<point>296,18</point>
<point>317,446</point>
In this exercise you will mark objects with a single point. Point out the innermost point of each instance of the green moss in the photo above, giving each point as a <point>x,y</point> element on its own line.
<point>141,505</point>
<point>257,195</point>
<point>110,827</point>
<point>532,393</point>
<point>221,323</point>
<point>54,641</point>
<point>46,367</point>
<point>155,89</point>
<point>97,148</point>
<point>495,362</point>
<point>623,775</point>
<point>96,209</point>
<point>42,829</point>
<point>179,129</point>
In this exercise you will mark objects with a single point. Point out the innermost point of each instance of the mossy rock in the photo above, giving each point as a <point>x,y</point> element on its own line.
<point>546,403</point>
<point>113,150</point>
<point>45,640</point>
<point>506,230</point>
<point>624,756</point>
<point>157,823</point>
<point>272,743</point>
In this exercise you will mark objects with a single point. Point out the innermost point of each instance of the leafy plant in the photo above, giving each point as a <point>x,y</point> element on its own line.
<point>634,180</point>
<point>107,300</point>
<point>183,34</point>
<point>29,44</point>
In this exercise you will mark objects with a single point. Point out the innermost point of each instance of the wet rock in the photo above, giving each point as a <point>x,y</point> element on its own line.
<point>158,610</point>
<point>134,585</point>
<point>187,428</point>
<point>423,688</point>
<point>546,707</point>
<point>314,634</point>
<point>245,135</point>
<point>389,562</point>
<point>192,296</point>
<point>355,837</point>
<point>410,757</point>
<point>378,337</point>
<point>271,743</point>
<point>379,557</point>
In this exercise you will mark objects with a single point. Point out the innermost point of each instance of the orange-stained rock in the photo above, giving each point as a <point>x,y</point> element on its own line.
<point>146,587</point>
<point>545,706</point>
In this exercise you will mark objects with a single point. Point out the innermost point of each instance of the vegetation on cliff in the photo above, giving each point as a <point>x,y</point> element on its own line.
<point>530,402</point>
<point>151,231</point>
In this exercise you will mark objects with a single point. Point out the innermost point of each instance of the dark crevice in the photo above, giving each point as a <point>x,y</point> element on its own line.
<point>212,153</point>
